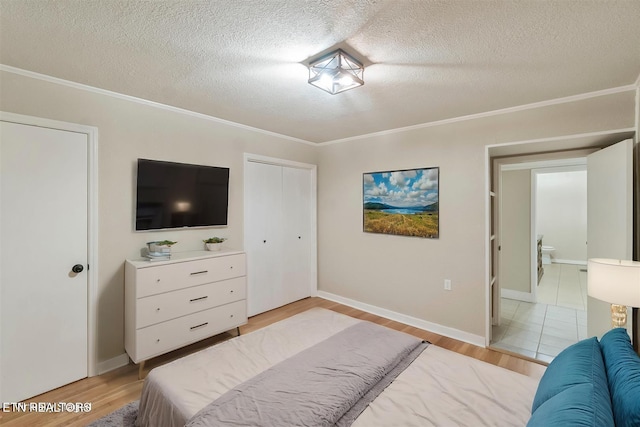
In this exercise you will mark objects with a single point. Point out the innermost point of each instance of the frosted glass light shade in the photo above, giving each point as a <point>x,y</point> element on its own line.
<point>614,281</point>
<point>336,72</point>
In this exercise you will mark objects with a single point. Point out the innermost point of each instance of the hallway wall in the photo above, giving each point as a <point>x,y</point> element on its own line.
<point>561,214</point>
<point>515,231</point>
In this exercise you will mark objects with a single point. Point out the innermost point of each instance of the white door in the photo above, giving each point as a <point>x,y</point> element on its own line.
<point>43,234</point>
<point>609,218</point>
<point>296,204</point>
<point>264,238</point>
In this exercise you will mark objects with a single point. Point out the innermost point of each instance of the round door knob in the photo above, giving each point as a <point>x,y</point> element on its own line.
<point>77,268</point>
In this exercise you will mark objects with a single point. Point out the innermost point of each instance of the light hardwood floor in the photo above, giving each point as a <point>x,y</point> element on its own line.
<point>110,391</point>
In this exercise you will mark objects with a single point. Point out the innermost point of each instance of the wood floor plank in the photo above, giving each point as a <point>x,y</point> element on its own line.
<point>112,390</point>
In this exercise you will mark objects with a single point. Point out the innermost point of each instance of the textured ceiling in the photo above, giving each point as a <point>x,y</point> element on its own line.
<point>242,60</point>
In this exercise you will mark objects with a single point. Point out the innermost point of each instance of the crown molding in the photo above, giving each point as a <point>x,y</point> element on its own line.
<point>633,87</point>
<point>146,102</point>
<point>563,137</point>
<point>556,101</point>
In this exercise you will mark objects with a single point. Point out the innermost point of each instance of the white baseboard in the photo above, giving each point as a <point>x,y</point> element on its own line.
<point>517,295</point>
<point>407,320</point>
<point>113,363</point>
<point>568,261</point>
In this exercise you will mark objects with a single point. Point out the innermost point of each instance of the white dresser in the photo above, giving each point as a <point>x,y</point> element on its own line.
<point>193,296</point>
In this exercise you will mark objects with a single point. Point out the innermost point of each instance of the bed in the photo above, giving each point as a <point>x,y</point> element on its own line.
<point>439,387</point>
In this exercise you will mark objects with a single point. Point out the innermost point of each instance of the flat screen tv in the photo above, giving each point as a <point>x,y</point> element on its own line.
<point>177,195</point>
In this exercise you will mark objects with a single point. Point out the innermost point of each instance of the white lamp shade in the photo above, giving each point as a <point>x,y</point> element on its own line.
<point>614,281</point>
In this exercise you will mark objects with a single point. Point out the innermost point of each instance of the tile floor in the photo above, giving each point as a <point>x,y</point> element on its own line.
<point>542,330</point>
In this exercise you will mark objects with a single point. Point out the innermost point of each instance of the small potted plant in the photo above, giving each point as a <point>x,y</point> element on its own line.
<point>214,243</point>
<point>162,246</point>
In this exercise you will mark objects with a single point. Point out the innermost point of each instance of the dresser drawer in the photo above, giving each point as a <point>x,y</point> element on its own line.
<point>163,337</point>
<point>154,280</point>
<point>159,308</point>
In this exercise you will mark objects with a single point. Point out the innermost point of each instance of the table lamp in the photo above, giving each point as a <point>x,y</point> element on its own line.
<point>618,283</point>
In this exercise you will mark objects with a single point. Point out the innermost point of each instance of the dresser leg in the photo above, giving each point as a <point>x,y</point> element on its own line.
<point>140,369</point>
<point>238,330</point>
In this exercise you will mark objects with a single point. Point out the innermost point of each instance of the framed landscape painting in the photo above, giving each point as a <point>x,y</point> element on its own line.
<point>404,202</point>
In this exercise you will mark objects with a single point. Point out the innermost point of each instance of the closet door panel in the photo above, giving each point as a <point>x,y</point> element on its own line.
<point>264,231</point>
<point>296,202</point>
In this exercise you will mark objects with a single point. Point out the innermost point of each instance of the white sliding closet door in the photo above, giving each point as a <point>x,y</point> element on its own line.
<point>264,232</point>
<point>279,235</point>
<point>296,203</point>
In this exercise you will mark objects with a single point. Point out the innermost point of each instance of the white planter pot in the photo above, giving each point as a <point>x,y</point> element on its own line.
<point>213,246</point>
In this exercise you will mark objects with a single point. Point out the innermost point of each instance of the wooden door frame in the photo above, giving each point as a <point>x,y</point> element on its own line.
<point>256,158</point>
<point>92,211</point>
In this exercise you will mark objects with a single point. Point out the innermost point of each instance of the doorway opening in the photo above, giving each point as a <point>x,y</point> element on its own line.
<point>610,188</point>
<point>542,235</point>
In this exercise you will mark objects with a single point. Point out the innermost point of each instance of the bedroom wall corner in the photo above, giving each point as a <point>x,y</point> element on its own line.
<point>456,334</point>
<point>130,129</point>
<point>405,274</point>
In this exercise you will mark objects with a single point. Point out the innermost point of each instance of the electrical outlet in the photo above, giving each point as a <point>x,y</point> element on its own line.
<point>447,284</point>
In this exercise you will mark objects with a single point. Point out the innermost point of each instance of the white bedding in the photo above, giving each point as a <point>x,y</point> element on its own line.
<point>440,388</point>
<point>444,388</point>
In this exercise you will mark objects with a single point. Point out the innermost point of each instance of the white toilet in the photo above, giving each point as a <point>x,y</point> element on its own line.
<point>546,254</point>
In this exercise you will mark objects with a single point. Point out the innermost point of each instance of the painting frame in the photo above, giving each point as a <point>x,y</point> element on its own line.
<point>404,202</point>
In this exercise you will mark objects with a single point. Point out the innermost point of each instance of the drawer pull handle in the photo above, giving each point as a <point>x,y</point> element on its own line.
<point>231,315</point>
<point>158,309</point>
<point>199,272</point>
<point>157,280</point>
<point>199,326</point>
<point>231,290</point>
<point>199,299</point>
<point>158,340</point>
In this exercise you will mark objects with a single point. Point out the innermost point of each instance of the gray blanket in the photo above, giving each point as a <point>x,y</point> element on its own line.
<point>329,384</point>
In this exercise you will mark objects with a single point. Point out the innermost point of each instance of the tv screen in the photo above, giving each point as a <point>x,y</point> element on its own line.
<point>176,195</point>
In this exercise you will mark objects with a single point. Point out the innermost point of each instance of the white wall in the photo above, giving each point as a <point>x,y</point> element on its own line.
<point>127,131</point>
<point>561,214</point>
<point>406,275</point>
<point>392,272</point>
<point>515,230</point>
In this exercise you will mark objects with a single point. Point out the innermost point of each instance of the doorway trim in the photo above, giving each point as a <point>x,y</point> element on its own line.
<point>92,210</point>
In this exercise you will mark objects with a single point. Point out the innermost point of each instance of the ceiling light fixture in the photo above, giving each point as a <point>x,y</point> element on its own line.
<point>336,72</point>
